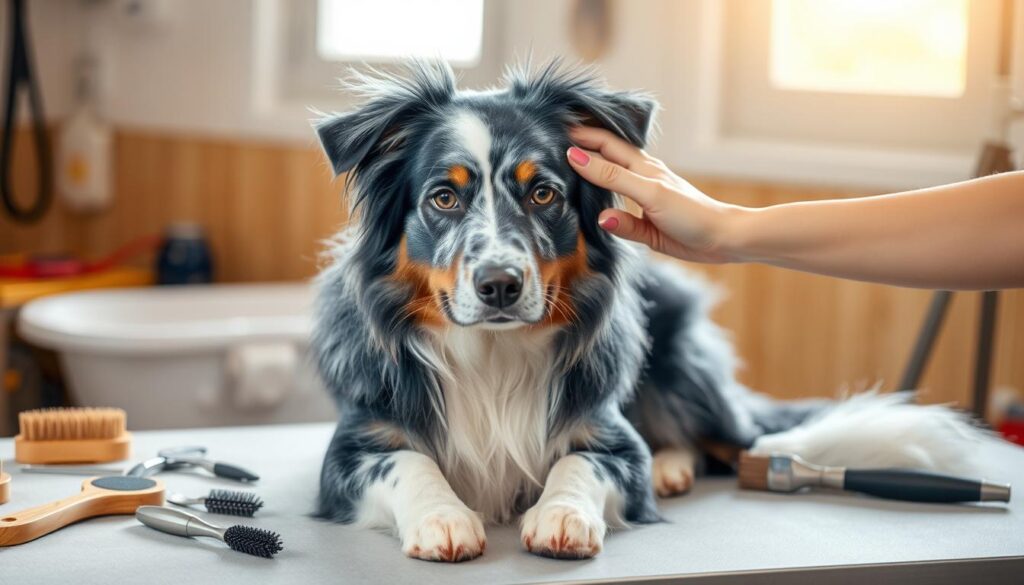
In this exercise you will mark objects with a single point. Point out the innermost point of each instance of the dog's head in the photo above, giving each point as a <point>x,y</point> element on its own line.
<point>466,199</point>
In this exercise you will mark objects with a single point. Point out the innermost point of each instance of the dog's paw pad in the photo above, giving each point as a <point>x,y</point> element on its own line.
<point>449,535</point>
<point>672,473</point>
<point>562,531</point>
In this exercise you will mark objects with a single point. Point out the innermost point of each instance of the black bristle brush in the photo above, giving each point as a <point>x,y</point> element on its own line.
<point>227,502</point>
<point>254,541</point>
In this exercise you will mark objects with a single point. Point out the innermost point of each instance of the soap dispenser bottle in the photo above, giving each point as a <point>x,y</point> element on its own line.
<point>84,149</point>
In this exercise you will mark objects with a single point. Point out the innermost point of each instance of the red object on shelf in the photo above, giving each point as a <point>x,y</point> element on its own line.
<point>1012,430</point>
<point>63,266</point>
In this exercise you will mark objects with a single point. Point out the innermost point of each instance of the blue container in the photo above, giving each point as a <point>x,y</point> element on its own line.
<point>184,256</point>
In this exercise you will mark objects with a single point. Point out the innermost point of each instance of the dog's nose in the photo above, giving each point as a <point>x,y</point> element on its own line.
<point>498,286</point>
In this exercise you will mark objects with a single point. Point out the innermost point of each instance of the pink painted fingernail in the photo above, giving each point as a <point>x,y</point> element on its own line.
<point>609,223</point>
<point>578,156</point>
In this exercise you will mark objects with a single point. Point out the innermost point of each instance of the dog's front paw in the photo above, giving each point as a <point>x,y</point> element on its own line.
<point>562,530</point>
<point>672,472</point>
<point>449,534</point>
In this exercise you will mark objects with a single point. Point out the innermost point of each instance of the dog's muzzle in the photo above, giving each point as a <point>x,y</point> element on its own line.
<point>498,286</point>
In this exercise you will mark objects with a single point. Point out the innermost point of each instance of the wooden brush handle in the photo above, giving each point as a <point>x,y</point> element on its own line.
<point>78,451</point>
<point>30,524</point>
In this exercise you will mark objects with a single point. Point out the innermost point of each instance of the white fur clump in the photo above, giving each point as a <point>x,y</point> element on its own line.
<point>883,430</point>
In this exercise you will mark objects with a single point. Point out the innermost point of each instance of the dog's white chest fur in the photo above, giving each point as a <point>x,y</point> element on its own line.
<point>495,388</point>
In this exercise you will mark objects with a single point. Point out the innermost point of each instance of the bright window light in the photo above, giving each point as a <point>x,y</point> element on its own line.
<point>390,30</point>
<point>905,47</point>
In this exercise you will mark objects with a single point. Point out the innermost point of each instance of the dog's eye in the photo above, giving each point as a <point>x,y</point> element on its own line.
<point>543,196</point>
<point>445,200</point>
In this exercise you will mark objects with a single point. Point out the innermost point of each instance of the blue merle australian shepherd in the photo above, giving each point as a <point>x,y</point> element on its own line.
<point>496,356</point>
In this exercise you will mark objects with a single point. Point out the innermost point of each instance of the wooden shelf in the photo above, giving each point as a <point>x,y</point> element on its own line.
<point>16,292</point>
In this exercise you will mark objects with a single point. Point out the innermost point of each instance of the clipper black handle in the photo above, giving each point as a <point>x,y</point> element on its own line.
<point>919,486</point>
<point>232,472</point>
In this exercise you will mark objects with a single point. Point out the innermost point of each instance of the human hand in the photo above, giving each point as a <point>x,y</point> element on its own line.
<point>678,219</point>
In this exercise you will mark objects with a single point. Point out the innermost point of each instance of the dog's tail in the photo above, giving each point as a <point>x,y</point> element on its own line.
<point>689,383</point>
<point>878,430</point>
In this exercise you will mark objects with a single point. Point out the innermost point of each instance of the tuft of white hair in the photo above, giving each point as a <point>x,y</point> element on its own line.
<point>884,430</point>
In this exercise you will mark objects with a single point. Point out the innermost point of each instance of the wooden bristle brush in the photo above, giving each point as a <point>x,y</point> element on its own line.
<point>100,496</point>
<point>72,435</point>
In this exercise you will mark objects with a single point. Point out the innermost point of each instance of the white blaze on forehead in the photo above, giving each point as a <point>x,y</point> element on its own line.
<point>482,224</point>
<point>475,137</point>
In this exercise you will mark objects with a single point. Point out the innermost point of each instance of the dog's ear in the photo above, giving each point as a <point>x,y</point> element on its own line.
<point>629,114</point>
<point>382,123</point>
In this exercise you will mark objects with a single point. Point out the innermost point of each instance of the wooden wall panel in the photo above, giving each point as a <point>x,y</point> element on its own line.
<point>267,208</point>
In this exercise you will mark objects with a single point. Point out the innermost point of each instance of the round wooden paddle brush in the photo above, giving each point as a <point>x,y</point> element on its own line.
<point>227,502</point>
<point>100,496</point>
<point>252,541</point>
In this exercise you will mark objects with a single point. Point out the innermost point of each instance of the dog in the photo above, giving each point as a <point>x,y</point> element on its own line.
<point>495,355</point>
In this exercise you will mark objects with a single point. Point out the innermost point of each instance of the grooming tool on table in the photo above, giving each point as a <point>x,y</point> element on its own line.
<point>72,435</point>
<point>222,502</point>
<point>58,469</point>
<point>5,484</point>
<point>100,496</point>
<point>180,457</point>
<point>253,541</point>
<point>789,473</point>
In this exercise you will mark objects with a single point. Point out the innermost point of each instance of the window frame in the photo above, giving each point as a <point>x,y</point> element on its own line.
<point>711,148</point>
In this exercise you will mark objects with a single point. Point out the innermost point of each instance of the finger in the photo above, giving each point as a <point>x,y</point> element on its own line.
<point>609,145</point>
<point>626,225</point>
<point>611,176</point>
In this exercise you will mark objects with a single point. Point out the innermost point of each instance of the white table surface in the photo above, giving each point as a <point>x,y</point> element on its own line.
<point>716,534</point>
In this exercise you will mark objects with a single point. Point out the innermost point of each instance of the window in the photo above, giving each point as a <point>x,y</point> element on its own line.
<point>302,47</point>
<point>390,30</point>
<point>859,73</point>
<point>910,47</point>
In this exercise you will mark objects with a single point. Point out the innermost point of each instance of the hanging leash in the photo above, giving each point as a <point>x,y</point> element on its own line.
<point>19,74</point>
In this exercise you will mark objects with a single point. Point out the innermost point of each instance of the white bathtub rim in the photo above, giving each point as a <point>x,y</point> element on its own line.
<point>41,324</point>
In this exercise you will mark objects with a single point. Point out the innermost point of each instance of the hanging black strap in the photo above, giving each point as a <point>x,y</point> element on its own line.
<point>19,74</point>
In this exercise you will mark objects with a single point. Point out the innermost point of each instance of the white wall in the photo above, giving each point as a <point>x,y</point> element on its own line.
<point>197,70</point>
<point>55,34</point>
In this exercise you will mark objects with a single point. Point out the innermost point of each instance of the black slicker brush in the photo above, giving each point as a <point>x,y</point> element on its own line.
<point>246,539</point>
<point>227,502</point>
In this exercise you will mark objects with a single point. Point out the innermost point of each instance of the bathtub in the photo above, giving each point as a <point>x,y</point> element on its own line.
<point>189,356</point>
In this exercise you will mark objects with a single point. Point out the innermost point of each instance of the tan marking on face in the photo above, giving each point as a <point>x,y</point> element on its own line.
<point>426,282</point>
<point>458,175</point>
<point>525,171</point>
<point>558,276</point>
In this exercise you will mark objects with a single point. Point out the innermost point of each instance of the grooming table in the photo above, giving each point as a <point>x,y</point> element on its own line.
<point>716,534</point>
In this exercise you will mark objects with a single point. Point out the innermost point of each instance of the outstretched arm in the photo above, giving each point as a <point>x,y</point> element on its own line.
<point>967,235</point>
